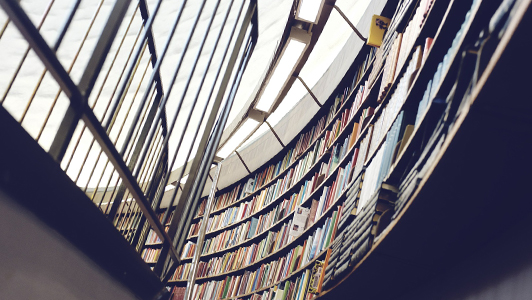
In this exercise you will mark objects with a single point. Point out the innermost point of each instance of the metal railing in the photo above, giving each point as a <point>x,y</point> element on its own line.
<point>85,79</point>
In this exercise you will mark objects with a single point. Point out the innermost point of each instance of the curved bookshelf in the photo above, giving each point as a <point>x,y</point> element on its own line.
<point>404,232</point>
<point>416,88</point>
<point>399,240</point>
<point>327,181</point>
<point>341,134</point>
<point>328,126</point>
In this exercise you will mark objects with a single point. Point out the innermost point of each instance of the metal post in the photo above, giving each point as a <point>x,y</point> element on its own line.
<point>349,22</point>
<point>201,236</point>
<point>310,91</point>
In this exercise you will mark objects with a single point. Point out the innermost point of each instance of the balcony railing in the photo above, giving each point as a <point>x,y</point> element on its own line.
<point>120,94</point>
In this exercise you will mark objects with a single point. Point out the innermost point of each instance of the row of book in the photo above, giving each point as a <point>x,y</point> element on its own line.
<point>262,178</point>
<point>153,238</point>
<point>272,242</point>
<point>291,178</point>
<point>433,98</point>
<point>272,272</point>
<point>296,289</point>
<point>356,236</point>
<point>182,272</point>
<point>390,110</point>
<point>244,256</point>
<point>258,225</point>
<point>188,250</point>
<point>443,67</point>
<point>412,31</point>
<point>150,255</point>
<point>234,214</point>
<point>363,67</point>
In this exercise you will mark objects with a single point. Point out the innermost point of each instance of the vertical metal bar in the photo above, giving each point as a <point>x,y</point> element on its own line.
<point>275,134</point>
<point>103,171</point>
<point>121,92</point>
<point>19,66</point>
<point>184,207</point>
<point>64,133</point>
<point>122,187</point>
<point>242,161</point>
<point>151,45</point>
<point>102,48</point>
<point>349,23</point>
<point>172,81</point>
<point>201,237</point>
<point>193,105</point>
<point>4,27</point>
<point>309,91</point>
<point>69,123</point>
<point>66,24</point>
<point>197,159</point>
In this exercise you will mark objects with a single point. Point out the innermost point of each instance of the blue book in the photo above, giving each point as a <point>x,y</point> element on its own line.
<point>252,227</point>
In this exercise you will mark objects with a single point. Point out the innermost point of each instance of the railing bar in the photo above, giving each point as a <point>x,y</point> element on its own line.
<point>102,48</point>
<point>120,215</point>
<point>151,45</point>
<point>172,81</point>
<point>115,190</point>
<point>109,181</point>
<point>121,92</point>
<point>162,56</point>
<point>154,167</point>
<point>98,184</point>
<point>136,217</point>
<point>104,81</point>
<point>66,25</point>
<point>107,160</point>
<point>115,157</point>
<point>142,120</point>
<point>147,168</point>
<point>77,144</point>
<point>132,101</point>
<point>119,77</point>
<point>4,27</point>
<point>167,177</point>
<point>97,11</point>
<point>128,82</point>
<point>130,216</point>
<point>21,62</point>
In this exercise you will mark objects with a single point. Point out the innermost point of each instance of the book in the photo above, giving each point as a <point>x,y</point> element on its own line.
<point>312,214</point>
<point>299,221</point>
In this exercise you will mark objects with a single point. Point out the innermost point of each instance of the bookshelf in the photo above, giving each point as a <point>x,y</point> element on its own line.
<point>395,189</point>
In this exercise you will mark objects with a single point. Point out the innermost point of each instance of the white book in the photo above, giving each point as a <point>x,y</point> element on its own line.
<point>299,221</point>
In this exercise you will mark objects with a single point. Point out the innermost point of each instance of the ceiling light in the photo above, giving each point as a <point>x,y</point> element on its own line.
<point>309,10</point>
<point>237,138</point>
<point>283,70</point>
